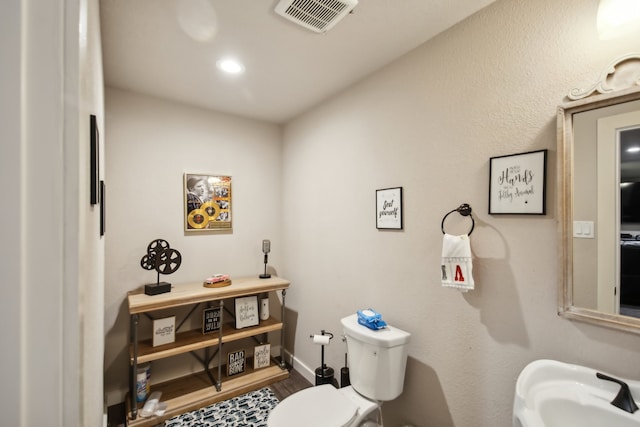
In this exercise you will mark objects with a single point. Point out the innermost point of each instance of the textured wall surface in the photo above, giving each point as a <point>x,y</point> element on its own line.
<point>151,144</point>
<point>429,122</point>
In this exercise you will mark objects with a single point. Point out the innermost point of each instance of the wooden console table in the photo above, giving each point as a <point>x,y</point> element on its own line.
<point>201,389</point>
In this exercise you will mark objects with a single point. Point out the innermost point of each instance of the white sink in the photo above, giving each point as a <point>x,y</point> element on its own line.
<point>555,394</point>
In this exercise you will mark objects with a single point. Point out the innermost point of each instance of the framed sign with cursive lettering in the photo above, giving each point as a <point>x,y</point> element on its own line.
<point>518,184</point>
<point>246,311</point>
<point>389,208</point>
<point>164,330</point>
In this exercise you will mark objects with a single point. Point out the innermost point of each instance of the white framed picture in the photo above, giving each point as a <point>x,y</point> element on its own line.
<point>261,356</point>
<point>247,311</point>
<point>164,330</point>
<point>517,184</point>
<point>389,209</point>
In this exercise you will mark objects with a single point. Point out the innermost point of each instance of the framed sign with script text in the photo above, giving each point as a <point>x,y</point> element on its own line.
<point>164,330</point>
<point>261,356</point>
<point>518,183</point>
<point>389,208</point>
<point>246,311</point>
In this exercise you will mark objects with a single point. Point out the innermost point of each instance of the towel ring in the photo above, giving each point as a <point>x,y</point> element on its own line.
<point>464,210</point>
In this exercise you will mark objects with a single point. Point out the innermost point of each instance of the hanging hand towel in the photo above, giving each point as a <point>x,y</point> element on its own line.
<point>456,267</point>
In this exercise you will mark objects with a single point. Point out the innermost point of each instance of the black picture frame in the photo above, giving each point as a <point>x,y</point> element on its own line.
<point>94,161</point>
<point>236,362</point>
<point>389,215</point>
<point>103,208</point>
<point>211,319</point>
<point>518,184</point>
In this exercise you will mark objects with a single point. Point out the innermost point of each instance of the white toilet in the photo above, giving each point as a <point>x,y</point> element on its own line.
<point>377,361</point>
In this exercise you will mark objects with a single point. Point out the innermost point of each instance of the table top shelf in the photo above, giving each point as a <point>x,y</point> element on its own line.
<point>191,392</point>
<point>192,293</point>
<point>195,340</point>
<point>196,391</point>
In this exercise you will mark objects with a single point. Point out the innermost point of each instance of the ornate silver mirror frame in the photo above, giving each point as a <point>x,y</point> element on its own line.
<point>619,83</point>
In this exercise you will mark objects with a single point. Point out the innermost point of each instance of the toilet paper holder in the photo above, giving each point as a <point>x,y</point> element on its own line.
<point>324,374</point>
<point>322,339</point>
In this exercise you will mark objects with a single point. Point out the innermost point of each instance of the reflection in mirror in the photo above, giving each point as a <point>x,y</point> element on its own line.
<point>601,166</point>
<point>629,154</point>
<point>599,199</point>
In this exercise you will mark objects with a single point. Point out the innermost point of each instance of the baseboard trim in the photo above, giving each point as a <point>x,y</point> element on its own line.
<point>308,373</point>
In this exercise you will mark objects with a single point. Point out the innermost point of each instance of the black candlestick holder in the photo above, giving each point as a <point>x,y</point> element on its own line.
<point>265,275</point>
<point>266,248</point>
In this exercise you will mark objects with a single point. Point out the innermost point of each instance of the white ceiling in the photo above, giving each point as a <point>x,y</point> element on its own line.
<point>289,69</point>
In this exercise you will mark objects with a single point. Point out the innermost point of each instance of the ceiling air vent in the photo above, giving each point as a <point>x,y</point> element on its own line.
<point>315,15</point>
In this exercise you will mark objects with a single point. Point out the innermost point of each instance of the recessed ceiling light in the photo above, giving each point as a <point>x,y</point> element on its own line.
<point>230,66</point>
<point>633,149</point>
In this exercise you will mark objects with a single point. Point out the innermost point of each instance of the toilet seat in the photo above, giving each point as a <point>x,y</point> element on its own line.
<point>320,406</point>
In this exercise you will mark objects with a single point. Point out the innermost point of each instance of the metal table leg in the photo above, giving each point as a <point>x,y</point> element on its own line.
<point>134,367</point>
<point>219,382</point>
<point>283,365</point>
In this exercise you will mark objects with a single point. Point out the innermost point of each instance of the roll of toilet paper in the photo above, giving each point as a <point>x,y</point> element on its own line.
<point>321,339</point>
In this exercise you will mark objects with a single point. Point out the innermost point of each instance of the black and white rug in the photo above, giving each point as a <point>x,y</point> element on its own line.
<point>248,410</point>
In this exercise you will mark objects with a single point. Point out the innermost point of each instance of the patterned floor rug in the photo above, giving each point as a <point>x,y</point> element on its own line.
<point>248,410</point>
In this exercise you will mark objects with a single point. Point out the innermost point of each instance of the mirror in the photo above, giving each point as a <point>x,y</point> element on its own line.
<point>599,199</point>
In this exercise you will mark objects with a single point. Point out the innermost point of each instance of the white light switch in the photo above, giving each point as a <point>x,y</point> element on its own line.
<point>583,229</point>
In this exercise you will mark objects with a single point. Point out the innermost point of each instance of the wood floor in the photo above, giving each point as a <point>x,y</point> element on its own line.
<point>295,382</point>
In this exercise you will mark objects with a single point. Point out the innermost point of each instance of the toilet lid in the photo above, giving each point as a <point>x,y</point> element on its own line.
<point>321,406</point>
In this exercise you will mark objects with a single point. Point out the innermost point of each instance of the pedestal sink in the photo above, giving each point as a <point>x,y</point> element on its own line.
<point>550,393</point>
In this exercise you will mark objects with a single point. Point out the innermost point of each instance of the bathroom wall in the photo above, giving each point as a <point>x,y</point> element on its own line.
<point>429,122</point>
<point>151,144</point>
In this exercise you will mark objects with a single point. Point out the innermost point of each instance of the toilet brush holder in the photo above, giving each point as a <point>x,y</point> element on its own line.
<point>344,374</point>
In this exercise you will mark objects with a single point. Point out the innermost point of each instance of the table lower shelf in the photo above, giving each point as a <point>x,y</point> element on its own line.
<point>196,391</point>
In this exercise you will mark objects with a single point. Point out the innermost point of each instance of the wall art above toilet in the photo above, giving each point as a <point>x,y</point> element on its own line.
<point>389,208</point>
<point>517,183</point>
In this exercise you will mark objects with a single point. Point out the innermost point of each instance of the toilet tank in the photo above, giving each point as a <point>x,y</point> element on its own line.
<point>377,359</point>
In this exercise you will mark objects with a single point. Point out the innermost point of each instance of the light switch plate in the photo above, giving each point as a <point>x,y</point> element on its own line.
<point>583,229</point>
